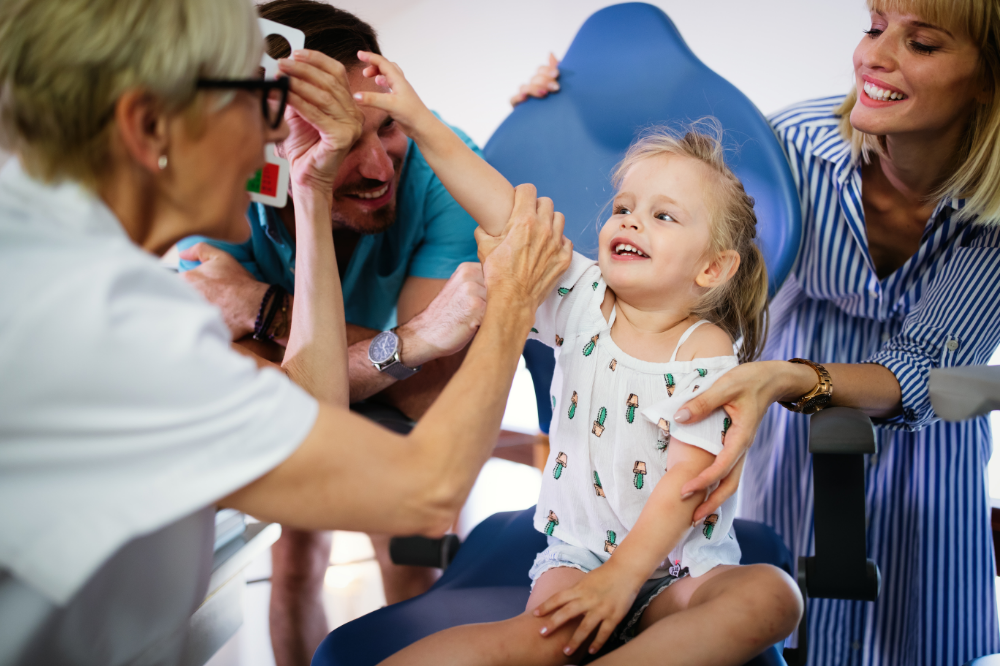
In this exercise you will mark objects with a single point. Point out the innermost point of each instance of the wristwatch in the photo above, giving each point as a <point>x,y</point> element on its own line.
<point>819,397</point>
<point>384,351</point>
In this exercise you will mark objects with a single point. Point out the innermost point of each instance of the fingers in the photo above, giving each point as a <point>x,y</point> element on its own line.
<point>199,252</point>
<point>559,225</point>
<point>711,475</point>
<point>727,488</point>
<point>554,63</point>
<point>525,202</point>
<point>545,208</point>
<point>586,628</point>
<point>603,634</point>
<point>390,70</point>
<point>383,101</point>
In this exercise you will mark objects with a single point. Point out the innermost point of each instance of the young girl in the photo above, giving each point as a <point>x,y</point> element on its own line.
<point>637,334</point>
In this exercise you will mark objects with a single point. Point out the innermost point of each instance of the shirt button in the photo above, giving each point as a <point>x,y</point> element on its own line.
<point>886,336</point>
<point>952,345</point>
<point>873,292</point>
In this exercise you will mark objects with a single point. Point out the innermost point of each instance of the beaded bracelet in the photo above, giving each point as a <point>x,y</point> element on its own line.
<point>265,314</point>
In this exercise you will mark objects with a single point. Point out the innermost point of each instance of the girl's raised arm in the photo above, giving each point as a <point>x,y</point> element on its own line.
<point>477,187</point>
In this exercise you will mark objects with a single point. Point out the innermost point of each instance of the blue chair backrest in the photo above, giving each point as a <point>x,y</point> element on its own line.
<point>629,69</point>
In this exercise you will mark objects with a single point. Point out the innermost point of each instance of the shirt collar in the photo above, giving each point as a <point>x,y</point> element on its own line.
<point>64,206</point>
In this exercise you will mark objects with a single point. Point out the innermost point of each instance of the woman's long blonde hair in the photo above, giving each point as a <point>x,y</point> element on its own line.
<point>977,176</point>
<point>738,306</point>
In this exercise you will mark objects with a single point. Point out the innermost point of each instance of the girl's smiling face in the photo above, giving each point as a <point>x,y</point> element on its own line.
<point>654,249</point>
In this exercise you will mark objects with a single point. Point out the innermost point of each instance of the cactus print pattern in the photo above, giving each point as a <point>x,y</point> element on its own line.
<point>610,545</point>
<point>560,465</point>
<point>598,488</point>
<point>710,525</point>
<point>669,379</point>
<point>572,404</point>
<point>640,473</point>
<point>594,286</point>
<point>598,428</point>
<point>613,364</point>
<point>726,422</point>
<point>702,372</point>
<point>534,330</point>
<point>630,405</point>
<point>553,521</point>
<point>563,290</point>
<point>588,348</point>
<point>664,439</point>
<point>559,340</point>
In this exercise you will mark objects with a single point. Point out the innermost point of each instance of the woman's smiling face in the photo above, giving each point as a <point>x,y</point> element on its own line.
<point>914,77</point>
<point>659,233</point>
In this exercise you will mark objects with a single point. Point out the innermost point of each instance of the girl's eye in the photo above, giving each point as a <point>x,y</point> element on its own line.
<point>622,210</point>
<point>665,217</point>
<point>923,48</point>
<point>873,33</point>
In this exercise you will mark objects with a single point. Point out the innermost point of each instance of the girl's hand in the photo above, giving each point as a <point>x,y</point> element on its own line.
<point>746,393</point>
<point>323,120</point>
<point>602,597</point>
<point>402,104</point>
<point>545,80</point>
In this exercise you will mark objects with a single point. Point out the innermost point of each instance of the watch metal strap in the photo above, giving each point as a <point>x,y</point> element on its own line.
<point>397,370</point>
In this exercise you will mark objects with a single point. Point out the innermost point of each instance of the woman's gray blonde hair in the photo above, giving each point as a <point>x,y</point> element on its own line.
<point>977,176</point>
<point>739,306</point>
<point>65,63</point>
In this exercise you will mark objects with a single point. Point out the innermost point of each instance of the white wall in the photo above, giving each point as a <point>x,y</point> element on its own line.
<point>467,58</point>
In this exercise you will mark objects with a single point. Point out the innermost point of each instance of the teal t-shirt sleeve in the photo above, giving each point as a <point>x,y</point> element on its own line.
<point>449,234</point>
<point>242,252</point>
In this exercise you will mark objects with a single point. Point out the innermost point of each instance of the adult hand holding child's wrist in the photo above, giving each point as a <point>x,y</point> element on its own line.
<point>522,264</point>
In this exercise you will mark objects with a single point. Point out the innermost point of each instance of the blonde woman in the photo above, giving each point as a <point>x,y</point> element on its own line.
<point>135,124</point>
<point>899,273</point>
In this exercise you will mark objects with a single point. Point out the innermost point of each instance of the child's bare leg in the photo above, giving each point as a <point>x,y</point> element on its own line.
<point>514,641</point>
<point>727,616</point>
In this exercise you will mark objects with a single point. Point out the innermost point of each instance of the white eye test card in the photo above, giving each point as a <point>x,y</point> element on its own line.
<point>270,184</point>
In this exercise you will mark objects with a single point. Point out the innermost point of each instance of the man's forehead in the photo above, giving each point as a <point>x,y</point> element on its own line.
<point>360,83</point>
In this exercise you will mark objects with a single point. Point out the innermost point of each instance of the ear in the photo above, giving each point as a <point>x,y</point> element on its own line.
<point>719,270</point>
<point>142,127</point>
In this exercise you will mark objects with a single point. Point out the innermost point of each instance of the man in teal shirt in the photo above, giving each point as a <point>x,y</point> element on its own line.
<point>402,244</point>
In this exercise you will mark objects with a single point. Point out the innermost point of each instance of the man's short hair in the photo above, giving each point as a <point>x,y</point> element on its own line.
<point>329,30</point>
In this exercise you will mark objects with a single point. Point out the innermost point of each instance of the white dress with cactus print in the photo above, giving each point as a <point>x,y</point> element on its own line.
<point>612,421</point>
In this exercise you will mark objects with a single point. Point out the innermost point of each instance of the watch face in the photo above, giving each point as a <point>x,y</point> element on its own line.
<point>382,347</point>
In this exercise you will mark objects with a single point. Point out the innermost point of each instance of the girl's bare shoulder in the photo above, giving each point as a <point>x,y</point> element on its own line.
<point>707,341</point>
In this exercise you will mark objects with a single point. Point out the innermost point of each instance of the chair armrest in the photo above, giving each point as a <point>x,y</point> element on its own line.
<point>961,393</point>
<point>418,551</point>
<point>838,440</point>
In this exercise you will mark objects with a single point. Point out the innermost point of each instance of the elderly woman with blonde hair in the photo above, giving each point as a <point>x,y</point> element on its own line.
<point>126,412</point>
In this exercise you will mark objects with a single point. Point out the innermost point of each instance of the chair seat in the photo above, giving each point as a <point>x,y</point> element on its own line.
<point>487,582</point>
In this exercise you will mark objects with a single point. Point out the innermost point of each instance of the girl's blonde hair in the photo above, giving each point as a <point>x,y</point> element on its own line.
<point>65,63</point>
<point>738,306</point>
<point>977,175</point>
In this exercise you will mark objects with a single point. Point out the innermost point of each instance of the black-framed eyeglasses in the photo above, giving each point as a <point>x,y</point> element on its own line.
<point>273,98</point>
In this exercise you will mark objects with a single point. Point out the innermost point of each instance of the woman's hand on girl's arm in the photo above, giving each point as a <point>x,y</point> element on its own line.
<point>323,119</point>
<point>746,393</point>
<point>476,186</point>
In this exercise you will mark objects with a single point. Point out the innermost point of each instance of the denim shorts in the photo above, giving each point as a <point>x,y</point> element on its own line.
<point>561,554</point>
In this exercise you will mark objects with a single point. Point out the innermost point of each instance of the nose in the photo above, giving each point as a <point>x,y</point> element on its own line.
<point>375,161</point>
<point>631,222</point>
<point>881,52</point>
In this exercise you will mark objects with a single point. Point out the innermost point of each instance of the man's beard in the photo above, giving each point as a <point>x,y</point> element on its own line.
<point>371,223</point>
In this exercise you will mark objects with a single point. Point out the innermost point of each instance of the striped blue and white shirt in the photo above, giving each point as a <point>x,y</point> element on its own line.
<point>927,500</point>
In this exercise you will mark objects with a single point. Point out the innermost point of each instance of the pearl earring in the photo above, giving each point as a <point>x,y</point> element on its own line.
<point>162,162</point>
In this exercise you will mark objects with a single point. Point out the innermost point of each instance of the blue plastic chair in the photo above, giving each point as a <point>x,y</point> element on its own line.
<point>627,69</point>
